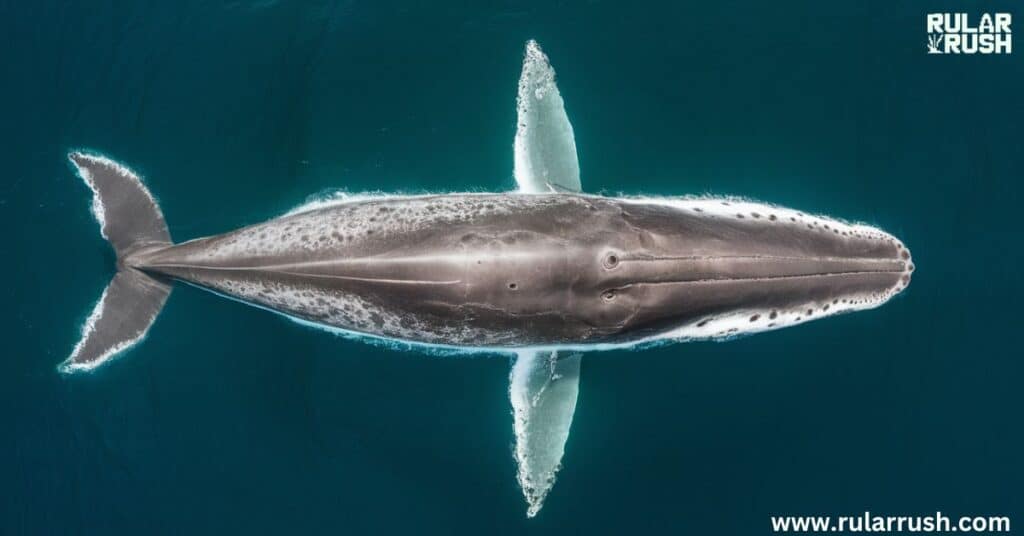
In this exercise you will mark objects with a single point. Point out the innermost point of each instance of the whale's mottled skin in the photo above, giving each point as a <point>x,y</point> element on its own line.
<point>543,273</point>
<point>550,270</point>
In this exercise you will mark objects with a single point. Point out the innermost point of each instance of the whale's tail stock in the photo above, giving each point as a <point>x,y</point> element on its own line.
<point>131,221</point>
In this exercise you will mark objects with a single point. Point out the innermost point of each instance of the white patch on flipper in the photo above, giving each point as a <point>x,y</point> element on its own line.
<point>543,390</point>
<point>545,146</point>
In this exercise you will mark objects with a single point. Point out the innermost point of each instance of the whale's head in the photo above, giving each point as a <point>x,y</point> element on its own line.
<point>707,268</point>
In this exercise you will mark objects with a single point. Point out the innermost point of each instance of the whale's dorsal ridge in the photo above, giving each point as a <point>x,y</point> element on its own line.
<point>545,146</point>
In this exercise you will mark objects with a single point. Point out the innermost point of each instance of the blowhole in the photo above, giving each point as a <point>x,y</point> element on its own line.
<point>611,261</point>
<point>513,286</point>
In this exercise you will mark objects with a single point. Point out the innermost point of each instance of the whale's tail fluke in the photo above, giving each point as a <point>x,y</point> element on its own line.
<point>131,221</point>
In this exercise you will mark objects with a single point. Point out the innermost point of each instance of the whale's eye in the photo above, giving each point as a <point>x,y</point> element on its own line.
<point>608,295</point>
<point>611,261</point>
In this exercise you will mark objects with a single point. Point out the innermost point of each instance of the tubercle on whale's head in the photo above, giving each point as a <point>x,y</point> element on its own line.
<point>908,267</point>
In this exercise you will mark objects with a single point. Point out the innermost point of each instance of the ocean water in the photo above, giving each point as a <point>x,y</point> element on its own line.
<point>230,419</point>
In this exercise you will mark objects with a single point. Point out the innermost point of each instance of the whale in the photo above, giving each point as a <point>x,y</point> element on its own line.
<point>544,273</point>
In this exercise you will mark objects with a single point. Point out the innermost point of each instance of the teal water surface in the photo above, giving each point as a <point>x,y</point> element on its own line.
<point>230,419</point>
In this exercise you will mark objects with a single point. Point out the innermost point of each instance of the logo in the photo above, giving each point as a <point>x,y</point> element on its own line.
<point>953,33</point>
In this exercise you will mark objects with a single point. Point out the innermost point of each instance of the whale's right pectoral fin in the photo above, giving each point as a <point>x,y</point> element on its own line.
<point>545,146</point>
<point>543,387</point>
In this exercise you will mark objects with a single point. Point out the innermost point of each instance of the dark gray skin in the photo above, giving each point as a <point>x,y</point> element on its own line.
<point>512,270</point>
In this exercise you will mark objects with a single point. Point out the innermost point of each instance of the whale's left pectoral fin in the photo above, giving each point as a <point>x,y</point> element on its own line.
<point>545,146</point>
<point>543,387</point>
